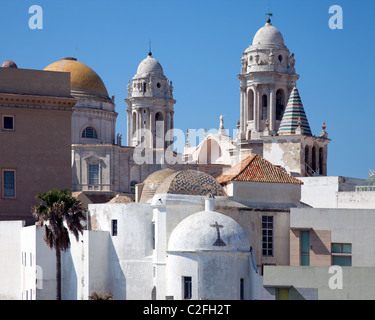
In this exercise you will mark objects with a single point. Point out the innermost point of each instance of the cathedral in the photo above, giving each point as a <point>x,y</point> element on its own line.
<point>242,212</point>
<point>273,123</point>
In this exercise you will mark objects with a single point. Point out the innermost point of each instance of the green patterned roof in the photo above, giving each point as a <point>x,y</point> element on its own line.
<point>293,113</point>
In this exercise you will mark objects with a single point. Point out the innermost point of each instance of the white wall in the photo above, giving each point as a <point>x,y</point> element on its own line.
<point>28,253</point>
<point>130,252</point>
<point>356,199</point>
<point>321,192</point>
<point>269,195</point>
<point>214,275</point>
<point>11,263</point>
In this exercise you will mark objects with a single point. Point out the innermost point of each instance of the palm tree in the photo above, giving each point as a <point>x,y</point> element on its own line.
<point>101,296</point>
<point>58,210</point>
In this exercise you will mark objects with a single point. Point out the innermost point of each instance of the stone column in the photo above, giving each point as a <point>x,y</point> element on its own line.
<point>172,124</point>
<point>139,124</point>
<point>147,127</point>
<point>136,126</point>
<point>243,114</point>
<point>272,110</point>
<point>152,129</point>
<point>128,137</point>
<point>245,110</point>
<point>256,108</point>
<point>166,127</point>
<point>171,127</point>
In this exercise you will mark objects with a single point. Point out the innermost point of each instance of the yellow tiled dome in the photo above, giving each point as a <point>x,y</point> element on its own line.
<point>82,78</point>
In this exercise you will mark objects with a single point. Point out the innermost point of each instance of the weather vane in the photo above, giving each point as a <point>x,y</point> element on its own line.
<point>269,14</point>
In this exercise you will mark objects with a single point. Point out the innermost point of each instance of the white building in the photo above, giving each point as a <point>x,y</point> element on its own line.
<point>164,248</point>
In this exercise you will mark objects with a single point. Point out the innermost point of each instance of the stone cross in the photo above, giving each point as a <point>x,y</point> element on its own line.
<point>219,242</point>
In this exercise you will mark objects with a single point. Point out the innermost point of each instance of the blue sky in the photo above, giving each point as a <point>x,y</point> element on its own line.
<point>200,43</point>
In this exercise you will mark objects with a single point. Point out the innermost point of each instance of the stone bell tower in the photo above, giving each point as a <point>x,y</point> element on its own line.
<point>273,120</point>
<point>266,81</point>
<point>150,106</point>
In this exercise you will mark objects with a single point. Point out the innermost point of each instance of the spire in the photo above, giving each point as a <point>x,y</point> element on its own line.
<point>293,114</point>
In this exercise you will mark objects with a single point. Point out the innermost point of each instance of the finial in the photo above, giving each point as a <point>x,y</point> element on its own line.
<point>221,121</point>
<point>149,48</point>
<point>299,129</point>
<point>324,134</point>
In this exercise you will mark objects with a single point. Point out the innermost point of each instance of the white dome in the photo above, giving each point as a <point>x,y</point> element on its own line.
<point>208,231</point>
<point>268,35</point>
<point>149,66</point>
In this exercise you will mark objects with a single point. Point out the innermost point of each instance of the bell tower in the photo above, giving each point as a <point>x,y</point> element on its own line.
<point>273,120</point>
<point>266,80</point>
<point>150,106</point>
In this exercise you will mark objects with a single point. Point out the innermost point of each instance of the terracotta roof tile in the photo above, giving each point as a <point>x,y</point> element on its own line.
<point>255,168</point>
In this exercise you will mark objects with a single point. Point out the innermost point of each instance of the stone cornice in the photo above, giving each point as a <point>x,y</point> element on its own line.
<point>261,74</point>
<point>166,100</point>
<point>37,102</point>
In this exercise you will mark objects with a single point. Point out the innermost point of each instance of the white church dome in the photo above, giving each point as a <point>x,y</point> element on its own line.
<point>208,231</point>
<point>268,35</point>
<point>149,66</point>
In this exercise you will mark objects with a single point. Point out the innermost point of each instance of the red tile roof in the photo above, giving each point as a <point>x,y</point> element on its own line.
<point>255,168</point>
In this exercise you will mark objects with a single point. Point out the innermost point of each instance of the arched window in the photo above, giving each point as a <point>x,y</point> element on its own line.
<point>280,104</point>
<point>264,107</point>
<point>307,159</point>
<point>321,161</point>
<point>158,116</point>
<point>90,133</point>
<point>313,159</point>
<point>132,186</point>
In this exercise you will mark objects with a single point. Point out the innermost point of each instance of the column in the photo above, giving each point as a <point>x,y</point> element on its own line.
<point>242,120</point>
<point>245,110</point>
<point>171,127</point>
<point>256,108</point>
<point>166,127</point>
<point>243,117</point>
<point>272,108</point>
<point>136,127</point>
<point>128,135</point>
<point>152,129</point>
<point>147,127</point>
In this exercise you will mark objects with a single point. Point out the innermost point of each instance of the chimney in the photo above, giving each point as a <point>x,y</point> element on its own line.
<point>209,202</point>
